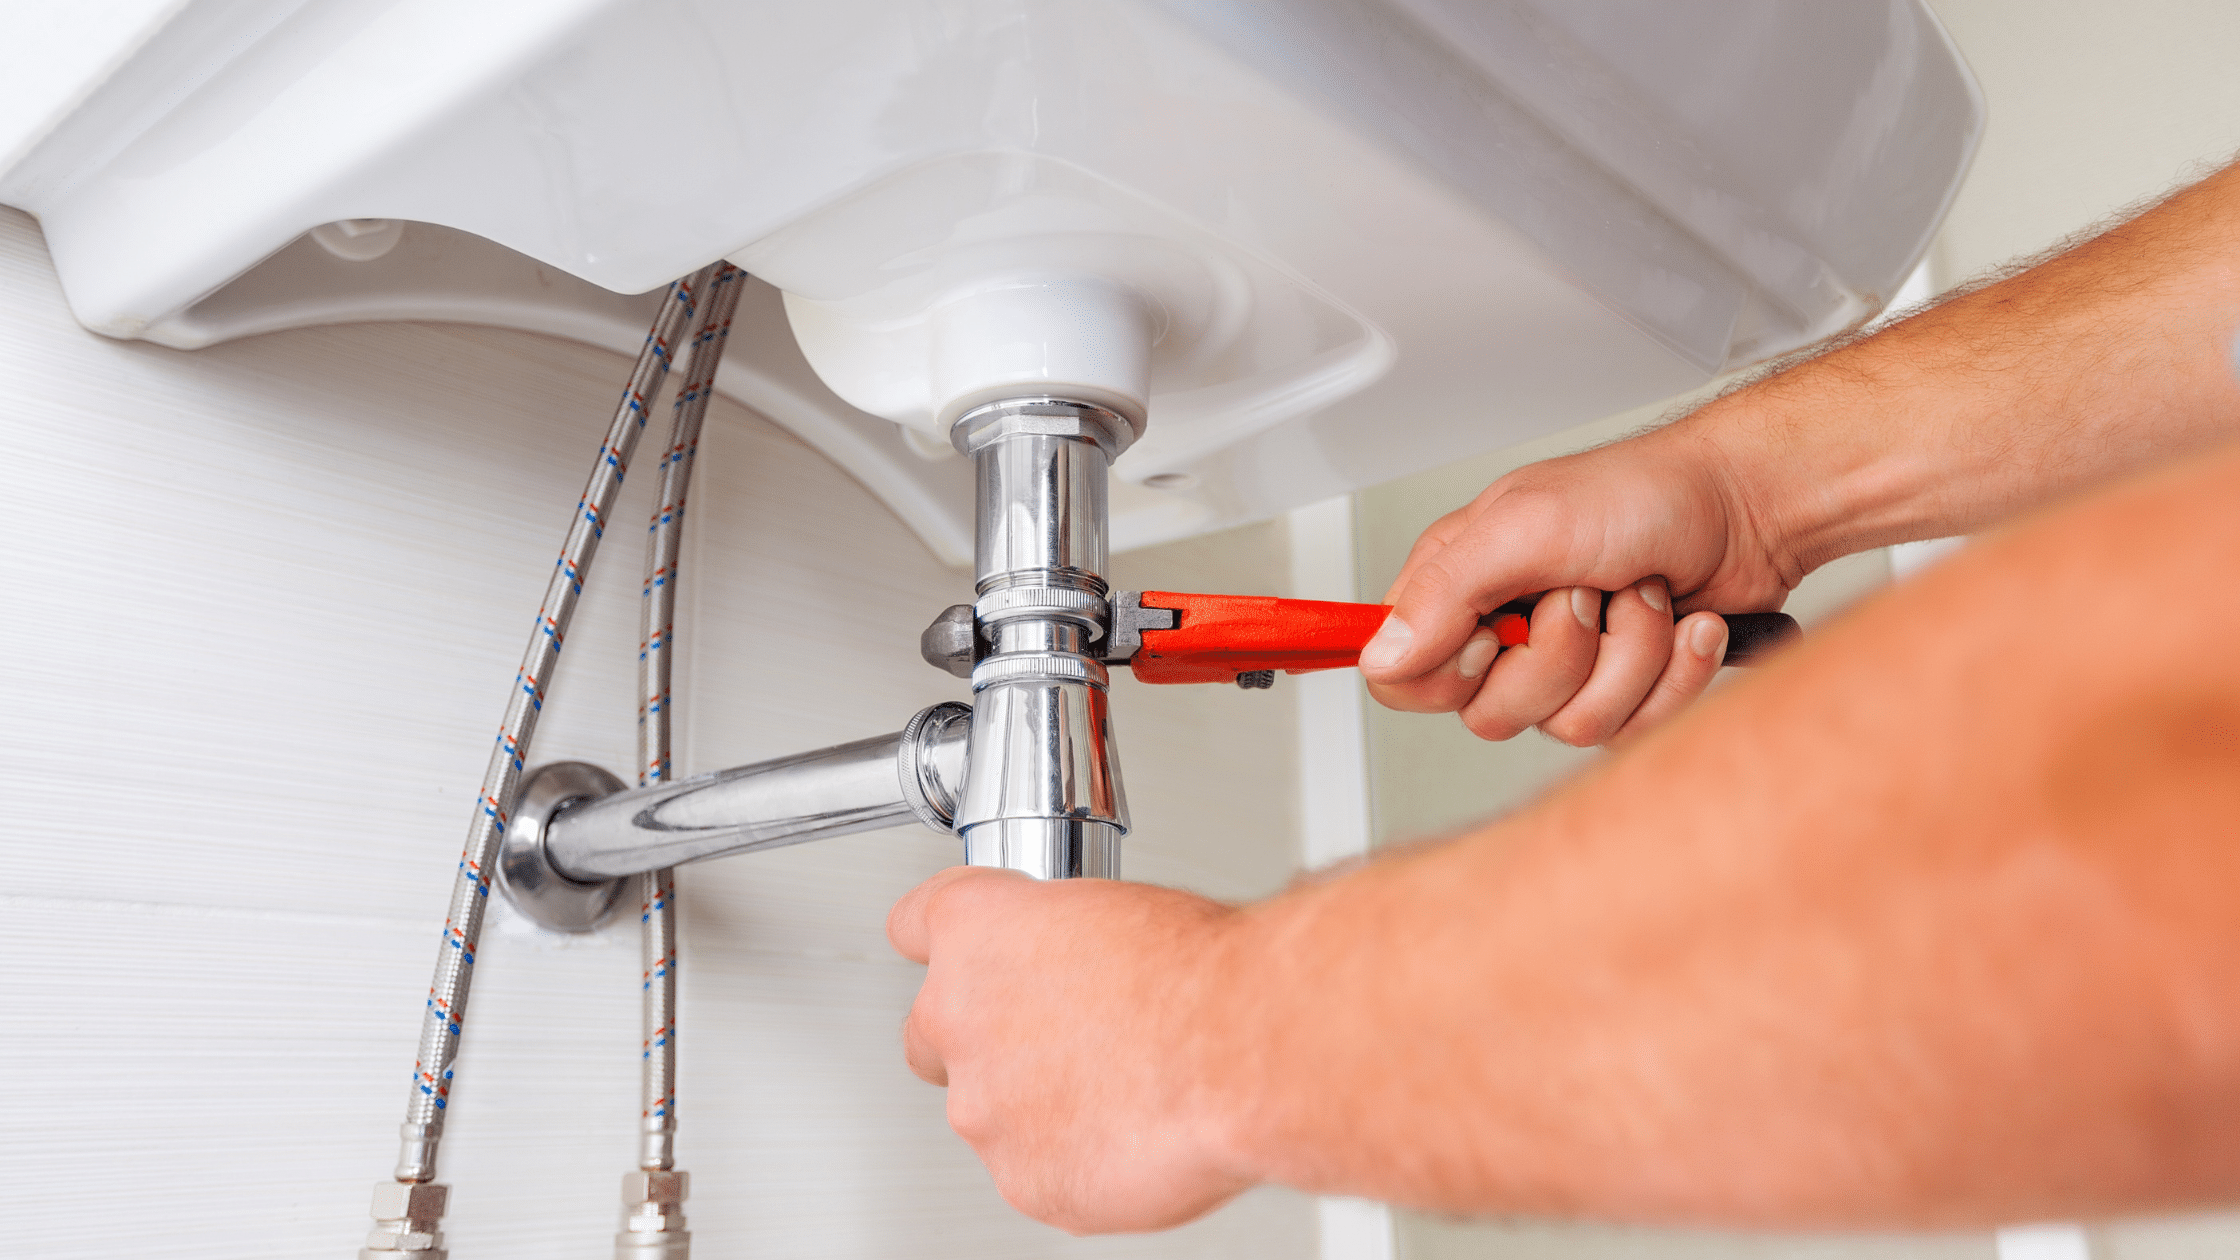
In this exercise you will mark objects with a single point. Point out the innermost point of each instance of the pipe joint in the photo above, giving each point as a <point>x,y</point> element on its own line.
<point>1107,429</point>
<point>574,835</point>
<point>1042,787</point>
<point>653,1224</point>
<point>407,1221</point>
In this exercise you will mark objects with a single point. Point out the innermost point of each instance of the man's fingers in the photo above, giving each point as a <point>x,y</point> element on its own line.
<point>1627,663</point>
<point>906,923</point>
<point>1448,686</point>
<point>1530,682</point>
<point>1495,557</point>
<point>912,925</point>
<point>1699,644</point>
<point>908,926</point>
<point>925,1062</point>
<point>1413,662</point>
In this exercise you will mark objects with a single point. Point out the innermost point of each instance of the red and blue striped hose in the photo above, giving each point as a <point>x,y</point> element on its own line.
<point>454,974</point>
<point>656,657</point>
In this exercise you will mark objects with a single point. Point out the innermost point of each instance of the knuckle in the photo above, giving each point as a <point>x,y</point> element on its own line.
<point>1530,511</point>
<point>1421,696</point>
<point>934,1010</point>
<point>1666,699</point>
<point>1031,1194</point>
<point>1487,726</point>
<point>926,1028</point>
<point>920,1041</point>
<point>965,895</point>
<point>1573,668</point>
<point>1652,643</point>
<point>917,1036</point>
<point>1668,692</point>
<point>1678,684</point>
<point>972,1118</point>
<point>944,902</point>
<point>926,1066</point>
<point>1559,666</point>
<point>1435,581</point>
<point>1576,730</point>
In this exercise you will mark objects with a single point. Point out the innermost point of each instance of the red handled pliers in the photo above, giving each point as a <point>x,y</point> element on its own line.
<point>1172,637</point>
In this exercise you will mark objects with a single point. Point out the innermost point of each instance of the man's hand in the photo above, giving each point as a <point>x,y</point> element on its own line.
<point>2106,360</point>
<point>1926,925</point>
<point>1071,1021</point>
<point>1651,520</point>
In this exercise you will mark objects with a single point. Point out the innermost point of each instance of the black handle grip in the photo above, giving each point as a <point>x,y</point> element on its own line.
<point>1750,636</point>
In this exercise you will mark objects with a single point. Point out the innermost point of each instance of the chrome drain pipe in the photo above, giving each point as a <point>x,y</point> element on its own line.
<point>1042,791</point>
<point>576,836</point>
<point>1029,778</point>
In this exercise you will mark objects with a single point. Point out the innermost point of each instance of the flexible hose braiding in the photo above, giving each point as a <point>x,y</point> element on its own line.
<point>454,973</point>
<point>656,658</point>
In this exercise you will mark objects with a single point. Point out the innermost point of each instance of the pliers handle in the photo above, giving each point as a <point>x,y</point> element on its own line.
<point>1173,637</point>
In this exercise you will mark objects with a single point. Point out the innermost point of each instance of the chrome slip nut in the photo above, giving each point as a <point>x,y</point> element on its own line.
<point>1044,417</point>
<point>406,1218</point>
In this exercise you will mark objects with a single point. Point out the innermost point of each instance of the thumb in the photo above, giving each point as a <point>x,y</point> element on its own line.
<point>1435,614</point>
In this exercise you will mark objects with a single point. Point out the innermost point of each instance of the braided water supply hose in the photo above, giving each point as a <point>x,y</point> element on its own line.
<point>653,1225</point>
<point>406,1212</point>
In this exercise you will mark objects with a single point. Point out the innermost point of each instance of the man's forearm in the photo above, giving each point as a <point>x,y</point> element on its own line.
<point>1930,923</point>
<point>2101,361</point>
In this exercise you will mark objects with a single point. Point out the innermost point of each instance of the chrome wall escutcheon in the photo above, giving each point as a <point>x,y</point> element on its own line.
<point>525,870</point>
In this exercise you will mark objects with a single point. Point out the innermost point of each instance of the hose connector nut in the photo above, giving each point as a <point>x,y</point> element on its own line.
<point>407,1221</point>
<point>653,1225</point>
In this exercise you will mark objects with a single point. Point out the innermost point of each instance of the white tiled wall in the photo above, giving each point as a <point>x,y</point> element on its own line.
<point>259,608</point>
